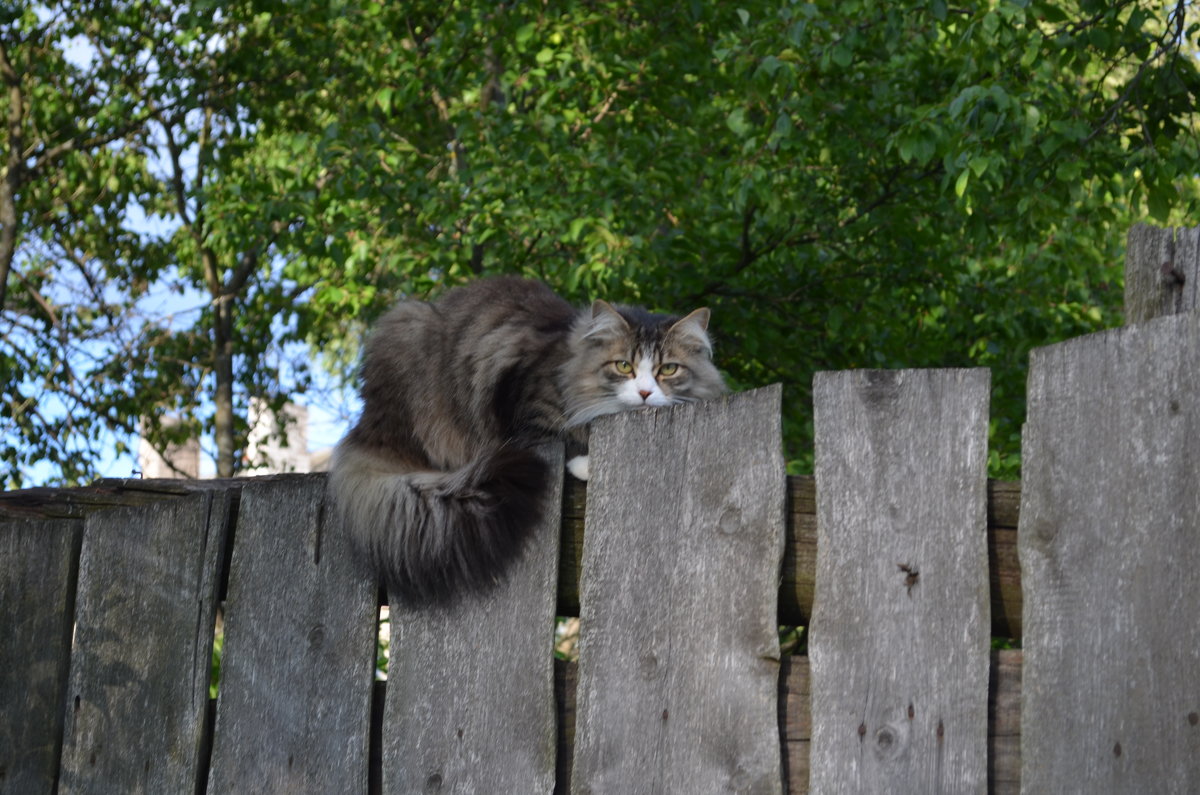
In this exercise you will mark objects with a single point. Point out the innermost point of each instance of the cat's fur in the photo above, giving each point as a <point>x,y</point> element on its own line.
<point>437,483</point>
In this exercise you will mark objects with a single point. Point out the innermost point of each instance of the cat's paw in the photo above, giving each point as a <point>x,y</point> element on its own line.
<point>578,466</point>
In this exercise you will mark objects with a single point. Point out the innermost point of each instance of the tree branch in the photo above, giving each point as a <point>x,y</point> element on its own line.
<point>12,171</point>
<point>38,299</point>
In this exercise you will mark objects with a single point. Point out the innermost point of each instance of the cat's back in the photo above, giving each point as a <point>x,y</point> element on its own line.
<point>474,311</point>
<point>447,374</point>
<point>465,338</point>
<point>502,301</point>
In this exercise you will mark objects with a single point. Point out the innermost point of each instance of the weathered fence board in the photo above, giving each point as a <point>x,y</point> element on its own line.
<point>293,712</point>
<point>137,694</point>
<point>37,594</point>
<point>795,719</point>
<point>1162,272</point>
<point>1004,723</point>
<point>1110,556</point>
<point>900,632</point>
<point>470,695</point>
<point>800,553</point>
<point>679,654</point>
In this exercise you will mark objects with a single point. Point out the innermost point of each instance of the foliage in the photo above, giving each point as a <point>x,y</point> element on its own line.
<point>849,184</point>
<point>214,668</point>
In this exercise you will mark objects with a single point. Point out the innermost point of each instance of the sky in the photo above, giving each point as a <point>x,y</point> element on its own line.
<point>329,407</point>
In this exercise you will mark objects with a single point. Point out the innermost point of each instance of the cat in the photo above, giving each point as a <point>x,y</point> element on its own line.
<point>437,483</point>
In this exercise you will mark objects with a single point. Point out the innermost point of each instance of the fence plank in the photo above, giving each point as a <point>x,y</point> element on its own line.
<point>37,595</point>
<point>800,553</point>
<point>138,685</point>
<point>899,640</point>
<point>1110,557</point>
<point>1162,272</point>
<point>470,694</point>
<point>679,653</point>
<point>293,712</point>
<point>795,719</point>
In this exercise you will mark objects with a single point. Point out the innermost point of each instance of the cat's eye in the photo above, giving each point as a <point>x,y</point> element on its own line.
<point>623,367</point>
<point>668,369</point>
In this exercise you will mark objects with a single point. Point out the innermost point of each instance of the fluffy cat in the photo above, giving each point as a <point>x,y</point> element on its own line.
<point>437,483</point>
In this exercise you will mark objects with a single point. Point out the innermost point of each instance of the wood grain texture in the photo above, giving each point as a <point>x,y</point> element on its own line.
<point>800,553</point>
<point>679,652</point>
<point>470,700</point>
<point>1004,722</point>
<point>37,597</point>
<point>795,720</point>
<point>77,503</point>
<point>1110,556</point>
<point>293,711</point>
<point>899,639</point>
<point>138,686</point>
<point>1162,272</point>
<point>799,560</point>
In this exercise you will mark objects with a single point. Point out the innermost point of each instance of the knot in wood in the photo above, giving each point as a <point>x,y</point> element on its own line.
<point>885,738</point>
<point>648,665</point>
<point>892,739</point>
<point>1045,530</point>
<point>316,636</point>
<point>731,520</point>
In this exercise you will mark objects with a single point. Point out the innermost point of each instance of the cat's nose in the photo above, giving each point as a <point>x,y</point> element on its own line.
<point>645,393</point>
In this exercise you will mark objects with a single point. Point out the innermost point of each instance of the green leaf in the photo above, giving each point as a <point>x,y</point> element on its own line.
<point>383,98</point>
<point>736,121</point>
<point>1160,199</point>
<point>525,33</point>
<point>960,185</point>
<point>576,229</point>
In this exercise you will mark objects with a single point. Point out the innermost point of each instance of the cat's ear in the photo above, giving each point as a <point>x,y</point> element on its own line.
<point>693,329</point>
<point>606,321</point>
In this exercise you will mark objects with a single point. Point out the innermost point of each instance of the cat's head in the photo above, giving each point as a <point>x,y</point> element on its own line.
<point>625,358</point>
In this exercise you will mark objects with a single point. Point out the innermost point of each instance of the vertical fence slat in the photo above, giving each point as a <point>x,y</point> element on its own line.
<point>1110,561</point>
<point>470,693</point>
<point>293,711</point>
<point>137,694</point>
<point>37,592</point>
<point>679,652</point>
<point>900,634</point>
<point>1162,272</point>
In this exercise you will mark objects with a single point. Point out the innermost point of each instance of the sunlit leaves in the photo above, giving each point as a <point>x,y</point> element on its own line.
<point>846,184</point>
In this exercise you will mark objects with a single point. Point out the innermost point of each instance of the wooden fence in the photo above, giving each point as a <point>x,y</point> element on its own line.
<point>900,555</point>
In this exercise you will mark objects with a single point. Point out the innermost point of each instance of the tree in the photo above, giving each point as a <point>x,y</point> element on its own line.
<point>847,184</point>
<point>70,271</point>
<point>206,157</point>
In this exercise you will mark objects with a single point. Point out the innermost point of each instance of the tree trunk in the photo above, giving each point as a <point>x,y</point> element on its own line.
<point>223,374</point>
<point>12,171</point>
<point>8,237</point>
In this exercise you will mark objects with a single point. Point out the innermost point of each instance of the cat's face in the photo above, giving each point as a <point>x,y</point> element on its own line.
<point>630,359</point>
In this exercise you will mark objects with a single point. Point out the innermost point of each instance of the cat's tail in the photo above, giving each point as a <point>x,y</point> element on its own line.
<point>431,536</point>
